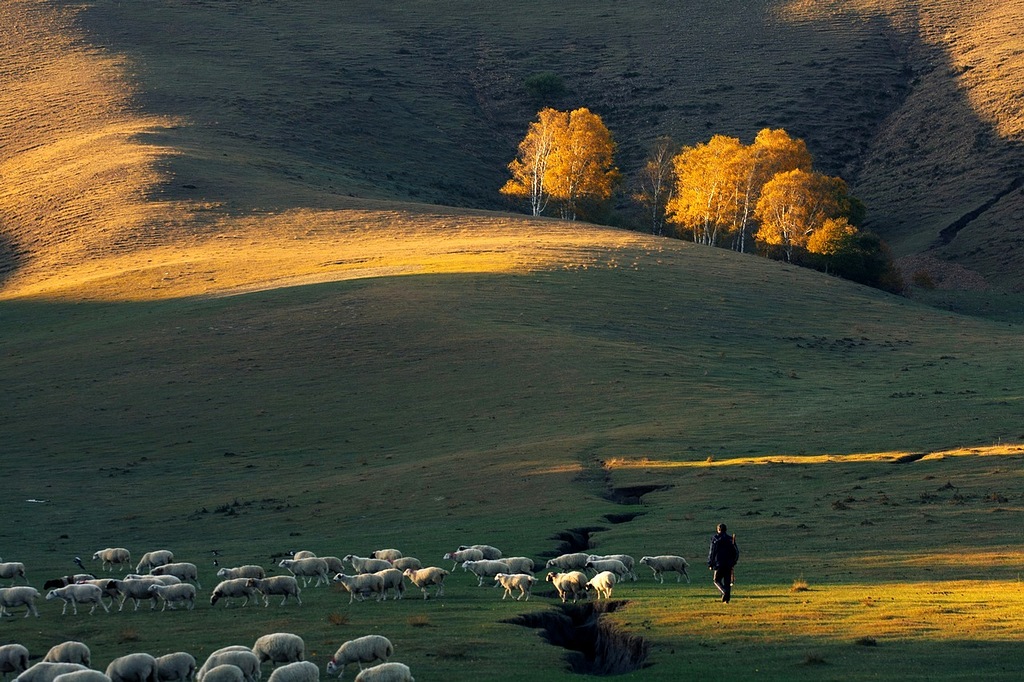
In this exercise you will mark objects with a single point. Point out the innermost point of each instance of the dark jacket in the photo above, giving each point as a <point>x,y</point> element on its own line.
<point>723,553</point>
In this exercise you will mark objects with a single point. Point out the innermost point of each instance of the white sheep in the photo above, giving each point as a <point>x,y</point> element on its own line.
<point>136,589</point>
<point>136,667</point>
<point>464,555</point>
<point>82,676</point>
<point>627,561</point>
<point>225,672</point>
<point>485,568</point>
<point>279,647</point>
<point>69,652</point>
<point>182,570</point>
<point>310,567</point>
<point>179,666</point>
<point>386,672</point>
<point>241,657</point>
<point>162,579</point>
<point>108,585</point>
<point>572,584</point>
<point>407,562</point>
<point>247,571</point>
<point>425,577</point>
<point>334,565</point>
<point>365,649</point>
<point>13,659</point>
<point>362,564</point>
<point>519,564</point>
<point>46,672</point>
<point>276,585</point>
<point>602,584</point>
<point>394,579</point>
<point>13,570</point>
<point>489,552</point>
<point>303,554</point>
<point>386,554</point>
<point>664,563</point>
<point>173,594</point>
<point>79,593</point>
<point>113,556</point>
<point>299,671</point>
<point>22,595</point>
<point>363,585</point>
<point>234,588</point>
<point>575,561</point>
<point>613,565</point>
<point>150,560</point>
<point>515,581</point>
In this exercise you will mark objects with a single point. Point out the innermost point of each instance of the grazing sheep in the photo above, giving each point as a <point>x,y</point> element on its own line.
<point>573,583</point>
<point>366,564</point>
<point>485,568</point>
<point>113,556</point>
<point>133,668</point>
<point>82,676</point>
<point>575,561</point>
<point>241,657</point>
<point>664,563</point>
<point>311,567</point>
<point>179,666</point>
<point>464,555</point>
<point>334,565</point>
<point>386,554</point>
<point>425,577</point>
<point>46,672</point>
<point>13,659</point>
<point>515,581</point>
<point>393,579</point>
<point>488,551</point>
<point>303,554</point>
<point>69,652</point>
<point>233,589</point>
<point>602,584</point>
<point>13,570</point>
<point>172,594</point>
<point>279,647</point>
<point>284,585</point>
<point>365,649</point>
<point>614,565</point>
<point>79,593</point>
<point>65,580</point>
<point>150,560</point>
<point>519,564</point>
<point>299,671</point>
<point>22,595</point>
<point>183,571</point>
<point>386,672</point>
<point>627,561</point>
<point>225,672</point>
<point>136,589</point>
<point>363,584</point>
<point>407,562</point>
<point>247,571</point>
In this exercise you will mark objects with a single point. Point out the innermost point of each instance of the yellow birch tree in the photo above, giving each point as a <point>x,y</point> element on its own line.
<point>707,188</point>
<point>529,168</point>
<point>794,204</point>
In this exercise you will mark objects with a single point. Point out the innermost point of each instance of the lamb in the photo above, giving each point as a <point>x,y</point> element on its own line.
<point>83,593</point>
<point>512,581</point>
<point>279,647</point>
<point>464,555</point>
<point>407,562</point>
<point>519,564</point>
<point>299,671</point>
<point>573,583</point>
<point>113,556</point>
<point>150,560</point>
<point>627,561</point>
<point>362,585</point>
<point>65,580</point>
<point>133,668</point>
<point>172,594</point>
<point>234,589</point>
<point>241,657</point>
<point>13,659</point>
<point>225,672</point>
<point>393,579</point>
<point>306,569</point>
<point>183,571</point>
<point>46,672</point>
<point>602,584</point>
<point>69,652</point>
<point>136,589</point>
<point>614,565</point>
<point>666,562</point>
<point>575,561</point>
<point>13,570</point>
<point>425,577</point>
<point>386,554</point>
<point>386,672</point>
<point>284,585</point>
<point>82,676</point>
<point>179,666</point>
<point>247,571</point>
<point>366,564</point>
<point>485,568</point>
<point>365,649</point>
<point>488,551</point>
<point>22,595</point>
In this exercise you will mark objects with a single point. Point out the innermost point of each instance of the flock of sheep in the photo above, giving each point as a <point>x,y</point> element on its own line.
<point>158,578</point>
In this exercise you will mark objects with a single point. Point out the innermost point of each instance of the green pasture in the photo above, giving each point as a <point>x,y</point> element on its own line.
<point>427,412</point>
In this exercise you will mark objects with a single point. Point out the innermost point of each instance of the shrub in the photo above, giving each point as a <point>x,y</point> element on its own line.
<point>545,86</point>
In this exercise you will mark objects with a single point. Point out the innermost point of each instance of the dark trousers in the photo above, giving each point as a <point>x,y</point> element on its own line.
<point>723,578</point>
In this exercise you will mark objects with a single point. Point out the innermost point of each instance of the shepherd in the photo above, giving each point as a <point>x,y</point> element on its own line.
<point>722,558</point>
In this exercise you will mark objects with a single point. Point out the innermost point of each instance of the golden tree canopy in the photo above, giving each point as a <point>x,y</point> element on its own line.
<point>794,204</point>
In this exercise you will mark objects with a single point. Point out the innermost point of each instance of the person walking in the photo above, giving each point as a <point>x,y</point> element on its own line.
<point>722,557</point>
